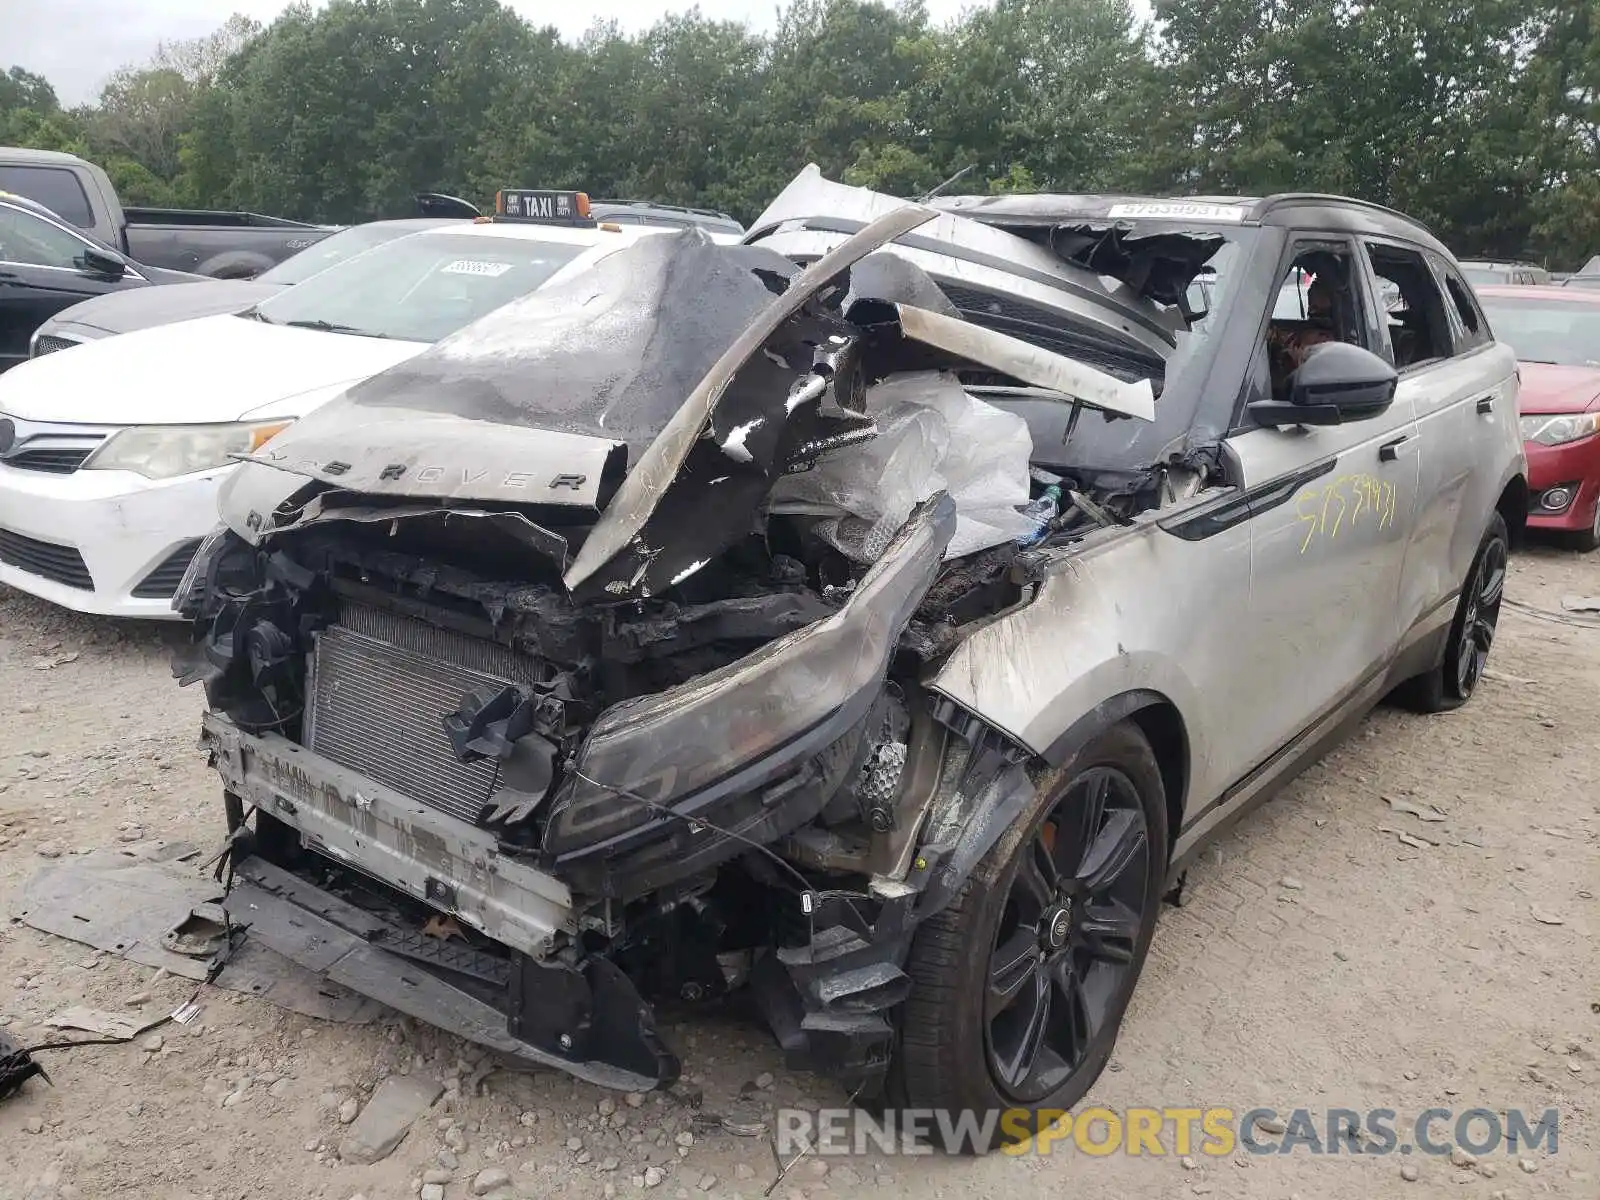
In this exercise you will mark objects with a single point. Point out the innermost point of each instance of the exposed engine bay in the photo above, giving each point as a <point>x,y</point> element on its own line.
<point>578,664</point>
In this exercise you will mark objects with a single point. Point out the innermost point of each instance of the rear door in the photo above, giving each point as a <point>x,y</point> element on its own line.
<point>1452,375</point>
<point>1332,513</point>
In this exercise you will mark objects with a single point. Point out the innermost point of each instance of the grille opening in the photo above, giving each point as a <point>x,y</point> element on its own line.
<point>163,581</point>
<point>59,564</point>
<point>57,460</point>
<point>48,344</point>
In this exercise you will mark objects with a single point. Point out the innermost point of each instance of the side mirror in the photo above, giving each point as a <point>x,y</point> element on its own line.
<point>99,261</point>
<point>1336,383</point>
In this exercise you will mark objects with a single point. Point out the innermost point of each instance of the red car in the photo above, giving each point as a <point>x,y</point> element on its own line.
<point>1556,334</point>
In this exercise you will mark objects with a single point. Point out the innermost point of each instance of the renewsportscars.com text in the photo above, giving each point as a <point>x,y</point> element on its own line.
<point>1159,1132</point>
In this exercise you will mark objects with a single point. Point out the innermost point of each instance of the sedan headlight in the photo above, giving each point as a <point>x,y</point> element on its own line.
<point>1554,429</point>
<point>668,746</point>
<point>163,451</point>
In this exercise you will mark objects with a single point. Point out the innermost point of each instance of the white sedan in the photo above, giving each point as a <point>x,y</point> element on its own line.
<point>110,456</point>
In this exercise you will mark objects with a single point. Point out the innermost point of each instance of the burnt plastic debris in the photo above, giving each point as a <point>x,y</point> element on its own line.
<point>16,1067</point>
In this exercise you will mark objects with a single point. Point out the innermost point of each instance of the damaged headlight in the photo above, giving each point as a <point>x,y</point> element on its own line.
<point>676,743</point>
<point>163,451</point>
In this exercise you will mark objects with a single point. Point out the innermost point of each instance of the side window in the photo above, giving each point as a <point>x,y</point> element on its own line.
<point>1321,298</point>
<point>1472,328</point>
<point>1419,329</point>
<point>33,241</point>
<point>56,188</point>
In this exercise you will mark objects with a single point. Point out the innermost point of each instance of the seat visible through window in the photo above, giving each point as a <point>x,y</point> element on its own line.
<point>1317,303</point>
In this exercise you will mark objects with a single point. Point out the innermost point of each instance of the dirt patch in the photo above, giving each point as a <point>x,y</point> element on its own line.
<point>1343,949</point>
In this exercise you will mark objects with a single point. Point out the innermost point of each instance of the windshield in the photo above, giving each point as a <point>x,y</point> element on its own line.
<point>1105,443</point>
<point>419,289</point>
<point>335,248</point>
<point>1547,331</point>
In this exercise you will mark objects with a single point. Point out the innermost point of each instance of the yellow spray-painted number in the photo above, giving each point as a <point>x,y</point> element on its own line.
<point>1345,502</point>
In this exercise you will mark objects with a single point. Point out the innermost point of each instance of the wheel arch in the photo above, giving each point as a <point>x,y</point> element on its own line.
<point>1513,509</point>
<point>1159,719</point>
<point>234,264</point>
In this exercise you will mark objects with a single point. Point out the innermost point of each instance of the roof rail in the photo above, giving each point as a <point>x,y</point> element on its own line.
<point>1285,199</point>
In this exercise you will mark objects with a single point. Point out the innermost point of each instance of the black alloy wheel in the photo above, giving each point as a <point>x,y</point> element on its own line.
<point>1471,637</point>
<point>1065,949</point>
<point>1020,984</point>
<point>1481,616</point>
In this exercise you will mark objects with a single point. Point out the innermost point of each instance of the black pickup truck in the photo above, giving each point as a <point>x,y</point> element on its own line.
<point>224,245</point>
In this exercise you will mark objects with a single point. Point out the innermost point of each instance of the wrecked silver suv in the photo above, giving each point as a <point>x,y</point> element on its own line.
<point>875,614</point>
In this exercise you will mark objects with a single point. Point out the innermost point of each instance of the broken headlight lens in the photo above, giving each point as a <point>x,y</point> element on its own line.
<point>673,744</point>
<point>164,451</point>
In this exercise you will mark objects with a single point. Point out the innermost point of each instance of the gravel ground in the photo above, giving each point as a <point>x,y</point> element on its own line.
<point>1321,961</point>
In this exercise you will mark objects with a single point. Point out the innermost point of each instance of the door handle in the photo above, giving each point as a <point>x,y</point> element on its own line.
<point>1390,451</point>
<point>1485,405</point>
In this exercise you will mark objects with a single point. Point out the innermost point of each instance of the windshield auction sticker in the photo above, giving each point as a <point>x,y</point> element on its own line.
<point>475,266</point>
<point>1178,210</point>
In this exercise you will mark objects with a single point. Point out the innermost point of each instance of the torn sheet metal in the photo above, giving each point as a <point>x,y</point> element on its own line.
<point>544,400</point>
<point>1159,264</point>
<point>347,506</point>
<point>623,525</point>
<point>1029,363</point>
<point>124,904</point>
<point>813,212</point>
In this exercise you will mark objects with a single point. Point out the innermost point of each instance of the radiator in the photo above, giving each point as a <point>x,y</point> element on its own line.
<point>379,688</point>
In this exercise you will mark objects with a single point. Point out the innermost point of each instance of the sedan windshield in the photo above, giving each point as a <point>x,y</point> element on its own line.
<point>335,248</point>
<point>418,289</point>
<point>1563,332</point>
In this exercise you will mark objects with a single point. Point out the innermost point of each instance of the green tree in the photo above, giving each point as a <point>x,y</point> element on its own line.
<point>344,113</point>
<point>839,86</point>
<point>1040,86</point>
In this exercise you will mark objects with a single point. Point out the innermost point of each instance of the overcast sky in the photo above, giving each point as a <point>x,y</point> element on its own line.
<point>76,44</point>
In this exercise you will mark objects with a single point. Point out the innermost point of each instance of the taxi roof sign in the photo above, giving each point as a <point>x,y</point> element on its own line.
<point>530,204</point>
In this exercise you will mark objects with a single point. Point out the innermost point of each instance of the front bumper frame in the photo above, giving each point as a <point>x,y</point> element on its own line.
<point>585,1019</point>
<point>420,851</point>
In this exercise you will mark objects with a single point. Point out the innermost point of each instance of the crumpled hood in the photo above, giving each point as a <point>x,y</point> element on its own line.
<point>143,308</point>
<point>1548,388</point>
<point>191,372</point>
<point>610,354</point>
<point>646,407</point>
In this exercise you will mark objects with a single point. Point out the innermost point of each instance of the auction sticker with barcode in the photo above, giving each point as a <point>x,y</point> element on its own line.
<point>1179,210</point>
<point>475,266</point>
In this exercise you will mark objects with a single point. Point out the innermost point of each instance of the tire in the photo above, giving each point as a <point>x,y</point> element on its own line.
<point>1452,683</point>
<point>960,1047</point>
